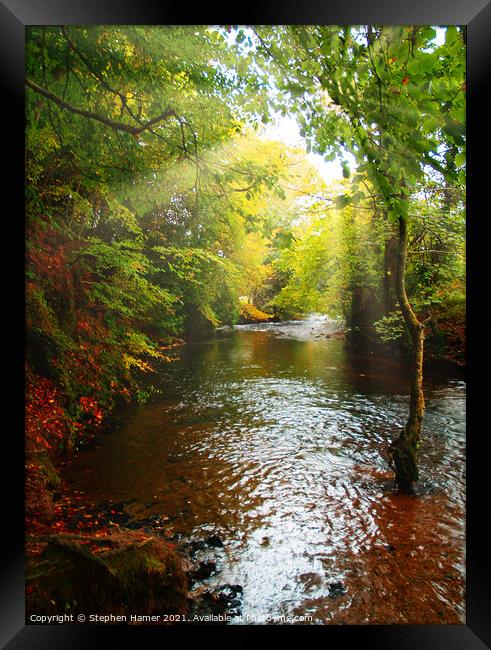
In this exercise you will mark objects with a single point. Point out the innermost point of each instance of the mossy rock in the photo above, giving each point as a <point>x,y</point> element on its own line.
<point>137,576</point>
<point>200,323</point>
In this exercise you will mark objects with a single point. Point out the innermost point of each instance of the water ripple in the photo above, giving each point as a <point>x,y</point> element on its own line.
<point>275,438</point>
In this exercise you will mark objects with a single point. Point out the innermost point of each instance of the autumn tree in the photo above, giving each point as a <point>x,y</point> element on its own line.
<point>142,198</point>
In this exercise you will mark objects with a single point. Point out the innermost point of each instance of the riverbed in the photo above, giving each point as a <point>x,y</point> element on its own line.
<point>272,437</point>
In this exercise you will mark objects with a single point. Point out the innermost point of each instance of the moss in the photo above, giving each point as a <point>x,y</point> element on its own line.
<point>41,479</point>
<point>150,573</point>
<point>48,472</point>
<point>404,457</point>
<point>135,577</point>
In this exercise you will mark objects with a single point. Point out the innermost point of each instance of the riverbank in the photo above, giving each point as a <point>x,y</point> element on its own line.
<point>110,558</point>
<point>250,314</point>
<point>73,545</point>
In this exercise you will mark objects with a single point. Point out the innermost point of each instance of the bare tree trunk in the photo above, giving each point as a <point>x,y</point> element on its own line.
<point>404,450</point>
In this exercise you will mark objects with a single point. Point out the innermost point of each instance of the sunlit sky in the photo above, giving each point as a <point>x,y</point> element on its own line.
<point>287,130</point>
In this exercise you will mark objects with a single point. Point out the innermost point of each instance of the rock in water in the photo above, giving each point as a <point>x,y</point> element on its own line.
<point>137,575</point>
<point>215,541</point>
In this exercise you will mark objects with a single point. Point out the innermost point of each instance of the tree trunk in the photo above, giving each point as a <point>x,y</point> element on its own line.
<point>390,273</point>
<point>404,450</point>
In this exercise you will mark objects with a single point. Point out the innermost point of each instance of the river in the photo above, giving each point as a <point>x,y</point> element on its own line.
<point>272,437</point>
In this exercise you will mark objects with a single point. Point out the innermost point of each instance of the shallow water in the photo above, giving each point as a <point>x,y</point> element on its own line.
<point>273,437</point>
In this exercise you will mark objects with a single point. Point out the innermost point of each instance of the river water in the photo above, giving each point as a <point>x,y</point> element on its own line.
<point>272,437</point>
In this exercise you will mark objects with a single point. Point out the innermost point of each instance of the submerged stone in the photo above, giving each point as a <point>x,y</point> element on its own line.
<point>336,589</point>
<point>215,541</point>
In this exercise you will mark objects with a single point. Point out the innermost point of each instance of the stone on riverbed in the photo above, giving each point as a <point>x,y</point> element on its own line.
<point>205,570</point>
<point>224,600</point>
<point>214,540</point>
<point>336,589</point>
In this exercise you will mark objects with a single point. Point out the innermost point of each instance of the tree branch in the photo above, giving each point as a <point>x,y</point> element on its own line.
<point>118,126</point>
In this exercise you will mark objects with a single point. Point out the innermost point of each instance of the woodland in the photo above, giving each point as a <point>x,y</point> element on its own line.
<point>163,204</point>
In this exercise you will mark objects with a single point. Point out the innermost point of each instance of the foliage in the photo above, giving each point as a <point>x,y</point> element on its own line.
<point>394,100</point>
<point>388,95</point>
<point>390,327</point>
<point>251,314</point>
<point>153,205</point>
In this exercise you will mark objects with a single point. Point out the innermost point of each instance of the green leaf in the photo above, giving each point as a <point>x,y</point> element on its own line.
<point>451,35</point>
<point>357,197</point>
<point>460,159</point>
<point>401,206</point>
<point>341,201</point>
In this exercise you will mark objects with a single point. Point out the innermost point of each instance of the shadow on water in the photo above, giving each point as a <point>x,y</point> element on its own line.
<point>272,436</point>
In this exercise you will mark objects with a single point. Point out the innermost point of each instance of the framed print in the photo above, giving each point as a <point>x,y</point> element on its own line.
<point>252,309</point>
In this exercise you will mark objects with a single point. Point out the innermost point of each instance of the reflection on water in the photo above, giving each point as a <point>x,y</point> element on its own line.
<point>273,436</point>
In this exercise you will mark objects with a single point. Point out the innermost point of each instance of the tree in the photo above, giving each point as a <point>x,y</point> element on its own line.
<point>396,101</point>
<point>109,111</point>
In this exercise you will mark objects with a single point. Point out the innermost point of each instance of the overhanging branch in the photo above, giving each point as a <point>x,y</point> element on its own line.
<point>118,126</point>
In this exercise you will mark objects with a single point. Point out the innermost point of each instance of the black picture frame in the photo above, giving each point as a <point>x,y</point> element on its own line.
<point>476,14</point>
